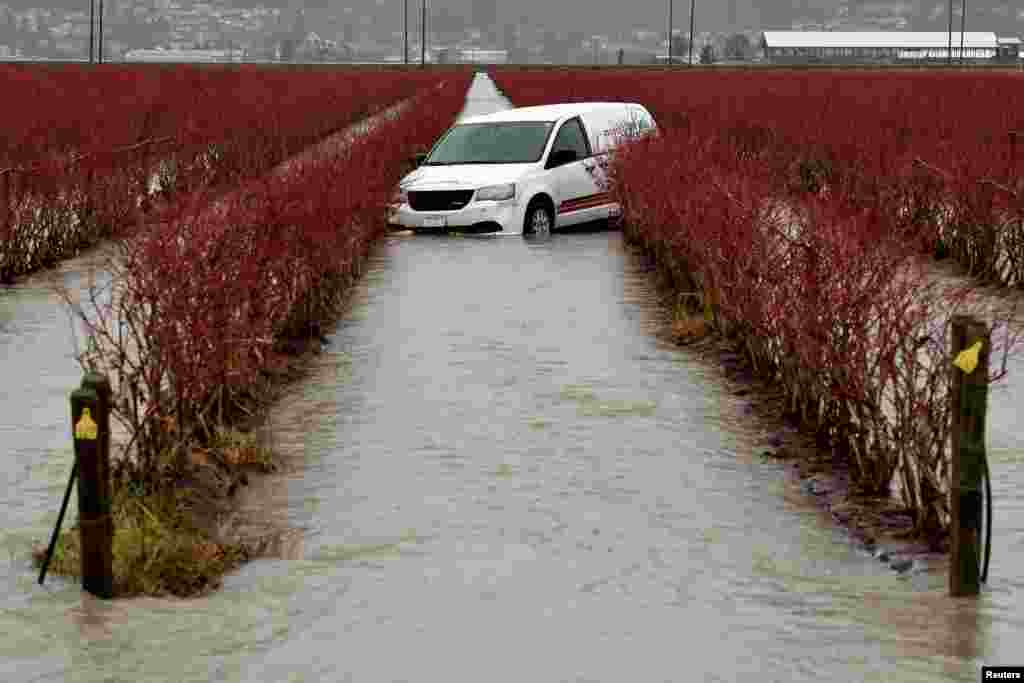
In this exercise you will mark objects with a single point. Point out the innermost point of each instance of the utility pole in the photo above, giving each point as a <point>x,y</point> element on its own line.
<point>692,3</point>
<point>423,35</point>
<point>406,51</point>
<point>670,28</point>
<point>92,28</point>
<point>963,22</point>
<point>101,33</point>
<point>949,41</point>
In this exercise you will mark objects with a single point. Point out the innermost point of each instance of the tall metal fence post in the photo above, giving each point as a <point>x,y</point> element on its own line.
<point>90,417</point>
<point>969,395</point>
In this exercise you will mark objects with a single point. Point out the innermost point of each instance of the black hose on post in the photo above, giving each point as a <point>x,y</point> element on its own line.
<point>60,520</point>
<point>988,519</point>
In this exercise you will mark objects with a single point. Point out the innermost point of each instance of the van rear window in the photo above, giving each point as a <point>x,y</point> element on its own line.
<point>510,142</point>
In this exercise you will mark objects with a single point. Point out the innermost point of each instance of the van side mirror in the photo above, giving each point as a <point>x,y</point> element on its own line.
<point>418,158</point>
<point>562,157</point>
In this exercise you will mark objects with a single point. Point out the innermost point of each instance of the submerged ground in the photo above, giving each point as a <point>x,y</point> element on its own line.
<point>502,469</point>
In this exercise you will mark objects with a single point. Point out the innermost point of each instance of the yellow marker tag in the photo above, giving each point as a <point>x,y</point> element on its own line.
<point>86,429</point>
<point>967,359</point>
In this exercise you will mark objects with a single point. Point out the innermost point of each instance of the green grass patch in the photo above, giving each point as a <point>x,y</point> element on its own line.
<point>343,553</point>
<point>616,408</point>
<point>165,541</point>
<point>589,405</point>
<point>157,550</point>
<point>577,392</point>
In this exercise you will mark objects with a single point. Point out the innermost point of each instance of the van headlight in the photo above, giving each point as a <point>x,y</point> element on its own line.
<point>496,192</point>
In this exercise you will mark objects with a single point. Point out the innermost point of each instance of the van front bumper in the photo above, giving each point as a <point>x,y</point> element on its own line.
<point>504,216</point>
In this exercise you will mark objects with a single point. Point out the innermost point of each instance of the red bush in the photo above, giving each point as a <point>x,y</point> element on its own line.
<point>214,287</point>
<point>939,154</point>
<point>794,200</point>
<point>205,128</point>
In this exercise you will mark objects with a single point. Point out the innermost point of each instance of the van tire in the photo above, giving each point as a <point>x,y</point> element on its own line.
<point>534,219</point>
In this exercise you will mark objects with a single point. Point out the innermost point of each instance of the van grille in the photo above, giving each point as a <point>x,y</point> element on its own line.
<point>439,200</point>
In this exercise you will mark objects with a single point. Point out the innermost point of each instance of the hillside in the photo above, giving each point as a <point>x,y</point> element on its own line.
<point>1006,17</point>
<point>1002,16</point>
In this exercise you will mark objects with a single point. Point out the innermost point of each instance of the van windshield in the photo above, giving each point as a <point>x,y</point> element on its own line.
<point>512,142</point>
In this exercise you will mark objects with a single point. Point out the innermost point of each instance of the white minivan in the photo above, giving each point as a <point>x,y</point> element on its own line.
<point>528,170</point>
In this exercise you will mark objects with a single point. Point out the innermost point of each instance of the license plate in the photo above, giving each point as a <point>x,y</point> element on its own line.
<point>434,221</point>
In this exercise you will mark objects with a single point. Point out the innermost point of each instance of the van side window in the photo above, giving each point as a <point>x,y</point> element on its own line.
<point>571,136</point>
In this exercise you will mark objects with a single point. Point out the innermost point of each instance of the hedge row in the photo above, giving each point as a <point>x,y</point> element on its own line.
<point>794,206</point>
<point>207,298</point>
<point>92,149</point>
<point>940,152</point>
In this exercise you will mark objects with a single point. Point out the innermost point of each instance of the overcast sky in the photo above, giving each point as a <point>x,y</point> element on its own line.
<point>607,16</point>
<point>588,15</point>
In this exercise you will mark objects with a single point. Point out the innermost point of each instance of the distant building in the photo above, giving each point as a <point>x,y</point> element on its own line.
<point>452,54</point>
<point>475,56</point>
<point>183,56</point>
<point>843,47</point>
<point>1009,49</point>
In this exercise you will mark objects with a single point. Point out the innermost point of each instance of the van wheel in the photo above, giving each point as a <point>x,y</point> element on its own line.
<point>538,219</point>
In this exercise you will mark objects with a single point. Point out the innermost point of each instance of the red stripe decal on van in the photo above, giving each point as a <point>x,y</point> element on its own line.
<point>588,202</point>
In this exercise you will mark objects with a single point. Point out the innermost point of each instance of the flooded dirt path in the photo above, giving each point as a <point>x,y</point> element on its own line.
<point>502,470</point>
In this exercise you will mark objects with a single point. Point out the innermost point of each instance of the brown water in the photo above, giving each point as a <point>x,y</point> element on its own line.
<point>503,472</point>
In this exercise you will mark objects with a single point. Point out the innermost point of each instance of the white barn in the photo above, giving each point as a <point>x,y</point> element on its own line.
<point>809,47</point>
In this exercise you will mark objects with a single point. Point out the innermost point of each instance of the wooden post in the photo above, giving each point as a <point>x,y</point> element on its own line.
<point>101,385</point>
<point>969,396</point>
<point>90,419</point>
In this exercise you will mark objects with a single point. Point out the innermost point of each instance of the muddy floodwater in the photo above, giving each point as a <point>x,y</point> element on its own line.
<point>500,469</point>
